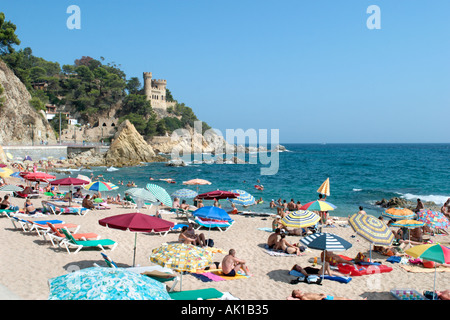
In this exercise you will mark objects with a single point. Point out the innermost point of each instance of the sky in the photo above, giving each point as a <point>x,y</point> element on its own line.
<point>311,69</point>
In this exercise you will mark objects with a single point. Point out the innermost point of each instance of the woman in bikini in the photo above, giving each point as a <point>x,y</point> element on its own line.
<point>284,245</point>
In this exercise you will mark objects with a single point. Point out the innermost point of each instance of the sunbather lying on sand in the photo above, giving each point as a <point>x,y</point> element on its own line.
<point>314,296</point>
<point>315,271</point>
<point>443,295</point>
<point>334,259</point>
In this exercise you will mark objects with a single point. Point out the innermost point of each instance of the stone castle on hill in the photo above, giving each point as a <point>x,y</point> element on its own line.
<point>155,90</point>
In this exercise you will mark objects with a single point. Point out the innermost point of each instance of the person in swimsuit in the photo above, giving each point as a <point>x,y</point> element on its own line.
<point>333,259</point>
<point>315,271</point>
<point>231,265</point>
<point>284,245</point>
<point>29,208</point>
<point>273,238</point>
<point>314,296</point>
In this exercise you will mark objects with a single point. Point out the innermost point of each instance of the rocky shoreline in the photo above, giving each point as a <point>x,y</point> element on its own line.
<point>403,203</point>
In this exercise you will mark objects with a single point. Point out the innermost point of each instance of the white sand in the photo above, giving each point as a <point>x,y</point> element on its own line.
<point>27,261</point>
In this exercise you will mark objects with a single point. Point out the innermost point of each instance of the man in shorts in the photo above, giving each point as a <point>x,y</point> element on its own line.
<point>231,265</point>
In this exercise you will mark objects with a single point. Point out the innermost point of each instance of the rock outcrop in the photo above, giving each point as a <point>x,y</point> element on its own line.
<point>129,148</point>
<point>403,203</point>
<point>21,123</point>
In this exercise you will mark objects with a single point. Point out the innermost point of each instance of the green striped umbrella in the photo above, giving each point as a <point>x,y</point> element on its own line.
<point>11,187</point>
<point>141,193</point>
<point>160,194</point>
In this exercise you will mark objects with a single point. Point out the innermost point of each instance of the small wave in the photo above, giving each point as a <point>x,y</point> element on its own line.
<point>434,198</point>
<point>357,190</point>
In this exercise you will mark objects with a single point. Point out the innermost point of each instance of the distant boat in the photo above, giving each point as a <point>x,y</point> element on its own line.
<point>111,169</point>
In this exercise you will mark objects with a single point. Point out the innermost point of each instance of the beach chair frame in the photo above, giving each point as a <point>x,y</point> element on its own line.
<point>70,242</point>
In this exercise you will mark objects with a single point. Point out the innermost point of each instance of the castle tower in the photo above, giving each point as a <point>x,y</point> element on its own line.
<point>148,84</point>
<point>155,90</point>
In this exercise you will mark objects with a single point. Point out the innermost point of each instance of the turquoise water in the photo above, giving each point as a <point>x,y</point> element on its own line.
<point>360,174</point>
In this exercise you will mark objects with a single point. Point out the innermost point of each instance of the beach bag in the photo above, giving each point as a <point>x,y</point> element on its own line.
<point>210,243</point>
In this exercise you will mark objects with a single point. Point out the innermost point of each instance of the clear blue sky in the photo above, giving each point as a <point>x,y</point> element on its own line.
<point>311,69</point>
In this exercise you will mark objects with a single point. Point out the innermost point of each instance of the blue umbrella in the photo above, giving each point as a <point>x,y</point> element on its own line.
<point>244,199</point>
<point>324,242</point>
<point>211,212</point>
<point>184,193</point>
<point>106,284</point>
<point>27,158</point>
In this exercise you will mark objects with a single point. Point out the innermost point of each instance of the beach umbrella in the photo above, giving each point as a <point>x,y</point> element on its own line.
<point>181,257</point>
<point>99,283</point>
<point>244,198</point>
<point>433,219</point>
<point>410,224</point>
<point>325,188</point>
<point>318,205</point>
<point>112,185</point>
<point>300,219</point>
<point>160,193</point>
<point>9,155</point>
<point>68,182</point>
<point>136,222</point>
<point>5,172</point>
<point>398,213</point>
<point>197,182</point>
<point>16,174</point>
<point>211,212</point>
<point>82,177</point>
<point>27,158</point>
<point>11,188</point>
<point>432,252</point>
<point>37,176</point>
<point>2,165</point>
<point>184,193</point>
<point>98,186</point>
<point>372,229</point>
<point>142,193</point>
<point>325,242</point>
<point>218,194</point>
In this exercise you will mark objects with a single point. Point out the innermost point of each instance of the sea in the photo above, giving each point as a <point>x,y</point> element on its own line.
<point>360,175</point>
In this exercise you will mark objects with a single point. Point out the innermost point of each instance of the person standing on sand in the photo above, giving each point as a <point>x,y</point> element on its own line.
<point>231,265</point>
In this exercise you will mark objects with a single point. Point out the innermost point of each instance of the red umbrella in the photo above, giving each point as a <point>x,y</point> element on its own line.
<point>36,176</point>
<point>136,222</point>
<point>69,182</point>
<point>218,194</point>
<point>2,165</point>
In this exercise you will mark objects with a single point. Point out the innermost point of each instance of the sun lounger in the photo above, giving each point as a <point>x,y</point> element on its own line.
<point>225,225</point>
<point>58,209</point>
<point>55,234</point>
<point>71,242</point>
<point>203,294</point>
<point>156,272</point>
<point>41,227</point>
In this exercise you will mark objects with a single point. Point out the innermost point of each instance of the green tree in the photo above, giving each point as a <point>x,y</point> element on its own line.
<point>8,37</point>
<point>37,74</point>
<point>55,122</point>
<point>133,85</point>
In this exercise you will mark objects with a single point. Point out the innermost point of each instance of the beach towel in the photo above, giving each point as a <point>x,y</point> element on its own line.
<point>421,269</point>
<point>266,229</point>
<point>217,275</point>
<point>277,253</point>
<point>394,259</point>
<point>342,279</point>
<point>361,270</point>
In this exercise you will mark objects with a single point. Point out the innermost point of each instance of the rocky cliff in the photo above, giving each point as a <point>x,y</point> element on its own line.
<point>20,121</point>
<point>129,148</point>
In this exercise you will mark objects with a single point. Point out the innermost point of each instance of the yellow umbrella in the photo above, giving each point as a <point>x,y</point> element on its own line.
<point>325,187</point>
<point>5,172</point>
<point>9,155</point>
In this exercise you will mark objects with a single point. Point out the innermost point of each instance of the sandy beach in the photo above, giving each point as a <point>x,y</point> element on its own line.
<point>28,261</point>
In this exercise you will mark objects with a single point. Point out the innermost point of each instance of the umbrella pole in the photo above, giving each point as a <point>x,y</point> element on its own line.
<point>434,288</point>
<point>134,255</point>
<point>323,263</point>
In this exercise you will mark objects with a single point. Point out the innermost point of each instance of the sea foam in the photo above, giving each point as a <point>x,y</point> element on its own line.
<point>434,198</point>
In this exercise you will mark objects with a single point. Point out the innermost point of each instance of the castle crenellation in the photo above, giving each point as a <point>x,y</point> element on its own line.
<point>155,90</point>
